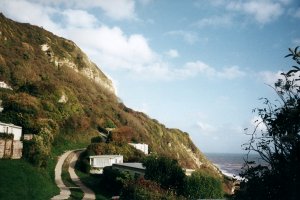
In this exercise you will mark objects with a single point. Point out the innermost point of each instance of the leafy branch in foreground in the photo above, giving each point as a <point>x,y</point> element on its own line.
<point>276,138</point>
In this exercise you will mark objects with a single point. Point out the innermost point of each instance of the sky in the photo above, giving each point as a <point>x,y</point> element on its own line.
<point>197,65</point>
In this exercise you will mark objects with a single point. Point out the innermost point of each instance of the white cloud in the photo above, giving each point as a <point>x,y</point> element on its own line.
<point>79,18</point>
<point>258,124</point>
<point>110,47</point>
<point>285,2</point>
<point>191,69</point>
<point>206,128</point>
<point>215,21</point>
<point>188,36</point>
<point>201,68</point>
<point>270,77</point>
<point>116,9</point>
<point>297,13</point>
<point>231,72</point>
<point>145,2</point>
<point>264,11</point>
<point>173,53</point>
<point>25,11</point>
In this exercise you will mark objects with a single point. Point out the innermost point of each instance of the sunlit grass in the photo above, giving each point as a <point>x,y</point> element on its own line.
<point>20,180</point>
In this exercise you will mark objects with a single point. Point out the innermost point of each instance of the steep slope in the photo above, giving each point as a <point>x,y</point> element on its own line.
<point>63,98</point>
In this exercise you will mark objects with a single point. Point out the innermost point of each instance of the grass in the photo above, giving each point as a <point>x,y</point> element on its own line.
<point>76,193</point>
<point>20,180</point>
<point>94,183</point>
<point>65,173</point>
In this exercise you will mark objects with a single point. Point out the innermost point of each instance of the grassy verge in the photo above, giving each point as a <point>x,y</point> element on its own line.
<point>76,193</point>
<point>20,180</point>
<point>93,182</point>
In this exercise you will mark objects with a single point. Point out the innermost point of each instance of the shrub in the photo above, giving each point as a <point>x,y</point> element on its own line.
<point>145,189</point>
<point>165,171</point>
<point>202,186</point>
<point>114,180</point>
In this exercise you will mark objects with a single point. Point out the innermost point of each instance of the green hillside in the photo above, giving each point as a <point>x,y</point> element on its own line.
<point>64,99</point>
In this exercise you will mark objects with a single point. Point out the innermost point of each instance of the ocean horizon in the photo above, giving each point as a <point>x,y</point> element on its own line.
<point>230,163</point>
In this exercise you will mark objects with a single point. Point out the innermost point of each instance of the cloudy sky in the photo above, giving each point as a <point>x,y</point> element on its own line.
<point>196,65</point>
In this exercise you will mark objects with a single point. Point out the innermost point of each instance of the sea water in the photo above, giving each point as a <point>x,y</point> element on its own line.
<point>231,163</point>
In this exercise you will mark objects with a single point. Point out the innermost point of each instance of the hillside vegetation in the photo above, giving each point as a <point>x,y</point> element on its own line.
<point>65,100</point>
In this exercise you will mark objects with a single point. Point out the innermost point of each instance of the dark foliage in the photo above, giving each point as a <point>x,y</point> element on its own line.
<point>278,145</point>
<point>202,186</point>
<point>114,180</point>
<point>142,189</point>
<point>165,171</point>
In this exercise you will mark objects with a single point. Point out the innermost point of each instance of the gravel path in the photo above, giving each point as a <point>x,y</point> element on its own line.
<point>64,190</point>
<point>88,193</point>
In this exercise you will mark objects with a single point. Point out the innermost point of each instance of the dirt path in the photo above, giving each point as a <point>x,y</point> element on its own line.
<point>88,193</point>
<point>64,190</point>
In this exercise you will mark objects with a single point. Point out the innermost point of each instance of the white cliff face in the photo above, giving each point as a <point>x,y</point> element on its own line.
<point>5,85</point>
<point>192,155</point>
<point>87,67</point>
<point>63,98</point>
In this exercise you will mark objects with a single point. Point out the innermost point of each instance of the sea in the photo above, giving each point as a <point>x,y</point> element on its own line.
<point>230,163</point>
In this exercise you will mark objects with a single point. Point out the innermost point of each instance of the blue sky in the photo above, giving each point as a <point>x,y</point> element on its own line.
<point>196,65</point>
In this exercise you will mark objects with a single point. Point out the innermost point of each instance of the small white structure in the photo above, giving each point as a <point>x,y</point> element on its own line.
<point>10,147</point>
<point>4,85</point>
<point>11,129</point>
<point>188,172</point>
<point>27,137</point>
<point>135,169</point>
<point>98,162</point>
<point>141,146</point>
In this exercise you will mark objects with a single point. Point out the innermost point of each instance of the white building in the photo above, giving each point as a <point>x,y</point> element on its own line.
<point>141,146</point>
<point>11,129</point>
<point>11,147</point>
<point>135,169</point>
<point>98,162</point>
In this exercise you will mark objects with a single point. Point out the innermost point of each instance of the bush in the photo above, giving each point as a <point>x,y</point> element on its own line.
<point>165,171</point>
<point>278,144</point>
<point>114,180</point>
<point>142,189</point>
<point>202,186</point>
<point>97,139</point>
<point>37,150</point>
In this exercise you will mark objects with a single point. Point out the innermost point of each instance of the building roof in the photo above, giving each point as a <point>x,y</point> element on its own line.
<point>105,156</point>
<point>131,165</point>
<point>11,125</point>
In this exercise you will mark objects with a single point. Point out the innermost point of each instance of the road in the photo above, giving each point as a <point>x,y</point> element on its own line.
<point>88,193</point>
<point>64,190</point>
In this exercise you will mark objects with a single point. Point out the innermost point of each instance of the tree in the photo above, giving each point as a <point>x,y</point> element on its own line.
<point>141,189</point>
<point>278,144</point>
<point>202,186</point>
<point>165,171</point>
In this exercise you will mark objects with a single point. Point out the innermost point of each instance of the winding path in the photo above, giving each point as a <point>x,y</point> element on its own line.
<point>64,190</point>
<point>88,193</point>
